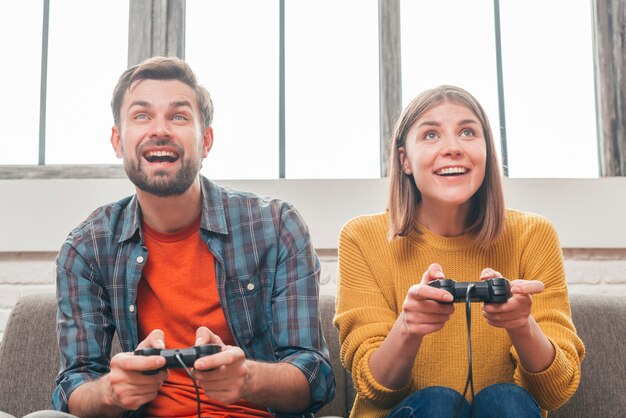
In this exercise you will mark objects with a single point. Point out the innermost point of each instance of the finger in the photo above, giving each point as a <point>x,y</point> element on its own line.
<point>227,357</point>
<point>526,287</point>
<point>156,339</point>
<point>137,363</point>
<point>489,273</point>
<point>424,291</point>
<point>205,336</point>
<point>434,272</point>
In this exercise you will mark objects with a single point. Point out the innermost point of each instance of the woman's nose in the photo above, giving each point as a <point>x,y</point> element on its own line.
<point>452,146</point>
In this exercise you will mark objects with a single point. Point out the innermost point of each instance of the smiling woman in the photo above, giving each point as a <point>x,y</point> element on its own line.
<point>446,213</point>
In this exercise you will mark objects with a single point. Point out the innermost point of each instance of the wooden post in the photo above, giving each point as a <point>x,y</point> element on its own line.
<point>157,27</point>
<point>390,87</point>
<point>610,65</point>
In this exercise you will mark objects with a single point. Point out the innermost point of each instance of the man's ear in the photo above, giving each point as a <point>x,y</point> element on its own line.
<point>116,141</point>
<point>207,141</point>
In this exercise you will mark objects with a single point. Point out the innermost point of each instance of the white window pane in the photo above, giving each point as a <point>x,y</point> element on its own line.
<point>450,42</point>
<point>20,39</point>
<point>332,101</point>
<point>88,50</point>
<point>232,46</point>
<point>549,88</point>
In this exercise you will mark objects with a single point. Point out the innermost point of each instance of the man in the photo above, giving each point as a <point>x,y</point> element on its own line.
<point>185,262</point>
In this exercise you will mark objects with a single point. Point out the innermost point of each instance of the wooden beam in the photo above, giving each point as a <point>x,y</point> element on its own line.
<point>390,78</point>
<point>610,65</point>
<point>156,27</point>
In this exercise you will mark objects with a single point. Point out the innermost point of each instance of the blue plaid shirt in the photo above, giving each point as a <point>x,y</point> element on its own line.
<point>267,278</point>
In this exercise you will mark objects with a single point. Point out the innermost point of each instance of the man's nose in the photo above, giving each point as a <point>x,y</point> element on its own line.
<point>160,128</point>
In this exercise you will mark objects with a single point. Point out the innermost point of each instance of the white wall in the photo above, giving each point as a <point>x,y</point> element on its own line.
<point>36,215</point>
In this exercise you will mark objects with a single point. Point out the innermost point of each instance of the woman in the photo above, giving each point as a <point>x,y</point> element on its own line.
<point>406,348</point>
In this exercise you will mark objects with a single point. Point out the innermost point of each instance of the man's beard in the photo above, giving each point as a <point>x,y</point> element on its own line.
<point>161,184</point>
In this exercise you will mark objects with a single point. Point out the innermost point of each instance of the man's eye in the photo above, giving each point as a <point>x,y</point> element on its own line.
<point>179,117</point>
<point>141,116</point>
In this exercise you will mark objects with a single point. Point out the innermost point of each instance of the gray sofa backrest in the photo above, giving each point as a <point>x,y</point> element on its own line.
<point>29,358</point>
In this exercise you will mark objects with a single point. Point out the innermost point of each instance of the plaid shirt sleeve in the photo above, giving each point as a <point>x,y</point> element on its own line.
<point>295,308</point>
<point>84,320</point>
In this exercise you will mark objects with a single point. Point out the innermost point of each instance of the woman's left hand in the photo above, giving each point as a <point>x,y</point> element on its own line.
<point>514,313</point>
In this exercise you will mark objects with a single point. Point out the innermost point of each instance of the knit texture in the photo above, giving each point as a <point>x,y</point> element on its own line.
<point>375,274</point>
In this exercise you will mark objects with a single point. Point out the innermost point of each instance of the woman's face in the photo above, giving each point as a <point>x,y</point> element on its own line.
<point>445,152</point>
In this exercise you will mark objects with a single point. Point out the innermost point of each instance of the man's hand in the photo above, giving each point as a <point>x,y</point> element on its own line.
<point>128,387</point>
<point>125,387</point>
<point>224,376</point>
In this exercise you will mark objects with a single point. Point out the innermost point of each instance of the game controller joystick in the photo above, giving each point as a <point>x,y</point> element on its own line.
<point>187,355</point>
<point>496,290</point>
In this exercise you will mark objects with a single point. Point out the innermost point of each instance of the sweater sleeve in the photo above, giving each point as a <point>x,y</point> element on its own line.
<point>365,312</point>
<point>542,260</point>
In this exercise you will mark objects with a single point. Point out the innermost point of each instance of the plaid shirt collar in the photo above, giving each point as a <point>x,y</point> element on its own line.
<point>213,214</point>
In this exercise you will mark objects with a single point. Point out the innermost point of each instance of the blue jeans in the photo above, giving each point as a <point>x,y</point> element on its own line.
<point>502,400</point>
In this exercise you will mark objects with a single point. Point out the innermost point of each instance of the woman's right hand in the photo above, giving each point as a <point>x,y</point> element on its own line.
<point>423,311</point>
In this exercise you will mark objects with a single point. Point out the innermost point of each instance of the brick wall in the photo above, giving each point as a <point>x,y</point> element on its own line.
<point>587,271</point>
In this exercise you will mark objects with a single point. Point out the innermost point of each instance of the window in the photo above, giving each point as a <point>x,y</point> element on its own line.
<point>547,62</point>
<point>296,84</point>
<point>87,52</point>
<point>549,88</point>
<point>331,86</point>
<point>235,56</point>
<point>20,82</point>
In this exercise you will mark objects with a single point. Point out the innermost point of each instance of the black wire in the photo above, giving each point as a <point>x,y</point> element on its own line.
<point>470,379</point>
<point>195,384</point>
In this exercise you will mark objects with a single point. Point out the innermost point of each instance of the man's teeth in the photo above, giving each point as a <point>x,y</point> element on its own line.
<point>155,154</point>
<point>162,156</point>
<point>452,170</point>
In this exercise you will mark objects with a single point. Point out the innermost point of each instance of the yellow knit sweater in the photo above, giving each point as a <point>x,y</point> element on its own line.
<point>375,274</point>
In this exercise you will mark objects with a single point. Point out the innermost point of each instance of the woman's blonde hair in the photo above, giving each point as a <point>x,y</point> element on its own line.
<point>486,216</point>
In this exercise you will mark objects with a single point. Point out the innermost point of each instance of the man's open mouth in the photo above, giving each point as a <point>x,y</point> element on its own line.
<point>160,156</point>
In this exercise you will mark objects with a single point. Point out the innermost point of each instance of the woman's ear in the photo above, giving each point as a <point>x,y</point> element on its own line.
<point>404,162</point>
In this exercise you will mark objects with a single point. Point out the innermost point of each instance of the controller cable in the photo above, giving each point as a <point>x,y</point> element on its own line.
<point>470,380</point>
<point>195,384</point>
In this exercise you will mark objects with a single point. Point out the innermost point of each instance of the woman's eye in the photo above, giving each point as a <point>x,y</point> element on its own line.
<point>430,135</point>
<point>467,132</point>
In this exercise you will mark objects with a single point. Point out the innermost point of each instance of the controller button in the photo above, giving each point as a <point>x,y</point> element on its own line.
<point>498,291</point>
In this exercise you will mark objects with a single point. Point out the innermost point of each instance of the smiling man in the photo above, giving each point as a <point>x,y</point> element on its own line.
<point>185,262</point>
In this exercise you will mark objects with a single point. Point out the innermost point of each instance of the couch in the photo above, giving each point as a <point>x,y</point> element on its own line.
<point>29,359</point>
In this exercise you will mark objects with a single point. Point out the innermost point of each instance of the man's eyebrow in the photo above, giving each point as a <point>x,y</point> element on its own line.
<point>181,103</point>
<point>140,103</point>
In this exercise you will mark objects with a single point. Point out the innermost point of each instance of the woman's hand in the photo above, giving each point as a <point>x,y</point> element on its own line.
<point>535,351</point>
<point>515,312</point>
<point>423,311</point>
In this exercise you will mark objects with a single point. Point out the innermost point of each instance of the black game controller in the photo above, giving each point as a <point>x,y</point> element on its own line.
<point>187,355</point>
<point>496,290</point>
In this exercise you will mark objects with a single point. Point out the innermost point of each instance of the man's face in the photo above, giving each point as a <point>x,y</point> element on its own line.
<point>160,137</point>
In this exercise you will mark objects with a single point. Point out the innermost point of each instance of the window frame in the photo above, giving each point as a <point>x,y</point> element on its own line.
<point>157,27</point>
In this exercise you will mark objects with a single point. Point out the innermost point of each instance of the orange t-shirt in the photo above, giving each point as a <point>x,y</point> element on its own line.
<point>178,294</point>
